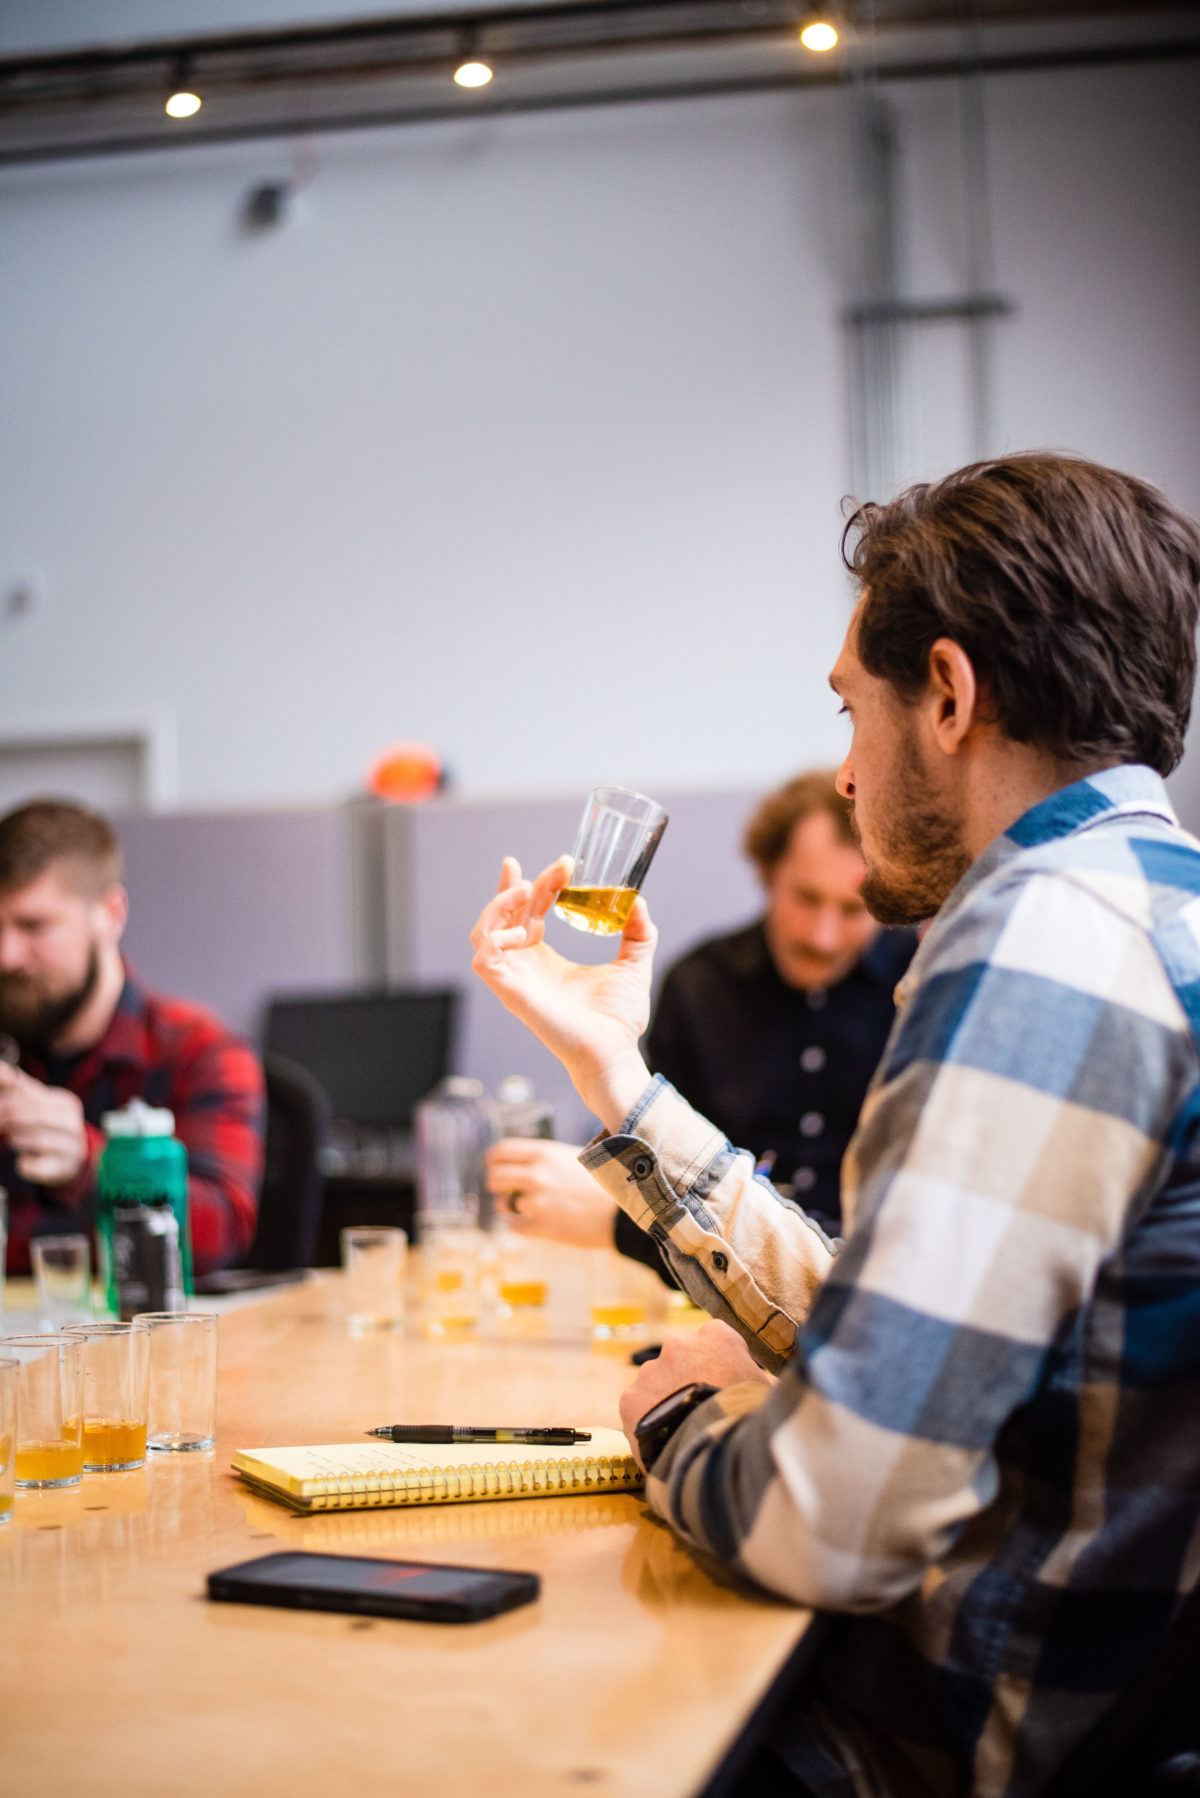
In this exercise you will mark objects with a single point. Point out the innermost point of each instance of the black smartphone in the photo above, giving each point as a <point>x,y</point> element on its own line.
<point>370,1588</point>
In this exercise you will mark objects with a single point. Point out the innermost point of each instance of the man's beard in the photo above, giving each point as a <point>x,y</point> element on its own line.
<point>36,1017</point>
<point>923,857</point>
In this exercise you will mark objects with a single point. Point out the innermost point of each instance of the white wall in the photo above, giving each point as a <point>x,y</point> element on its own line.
<point>528,437</point>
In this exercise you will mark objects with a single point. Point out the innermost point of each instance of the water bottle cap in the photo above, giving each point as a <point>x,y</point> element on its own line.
<point>515,1089</point>
<point>458,1086</point>
<point>139,1119</point>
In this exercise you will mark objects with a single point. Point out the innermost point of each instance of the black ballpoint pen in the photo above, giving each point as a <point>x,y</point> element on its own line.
<point>466,1432</point>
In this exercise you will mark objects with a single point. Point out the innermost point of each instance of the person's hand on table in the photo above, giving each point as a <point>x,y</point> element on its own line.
<point>544,1192</point>
<point>44,1127</point>
<point>713,1355</point>
<point>591,1018</point>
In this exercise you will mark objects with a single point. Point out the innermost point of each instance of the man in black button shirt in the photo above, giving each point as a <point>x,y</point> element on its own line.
<point>772,1032</point>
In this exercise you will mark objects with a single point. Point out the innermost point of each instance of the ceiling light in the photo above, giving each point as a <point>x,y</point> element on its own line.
<point>473,73</point>
<point>182,105</point>
<point>820,35</point>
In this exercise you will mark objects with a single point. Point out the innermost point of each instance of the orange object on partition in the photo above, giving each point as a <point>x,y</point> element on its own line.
<point>406,773</point>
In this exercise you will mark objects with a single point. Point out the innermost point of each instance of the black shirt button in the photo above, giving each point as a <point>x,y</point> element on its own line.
<point>804,1179</point>
<point>720,1262</point>
<point>642,1168</point>
<point>815,998</point>
<point>813,1059</point>
<point>812,1124</point>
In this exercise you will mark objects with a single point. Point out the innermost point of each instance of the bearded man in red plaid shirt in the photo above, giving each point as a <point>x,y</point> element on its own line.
<point>90,1038</point>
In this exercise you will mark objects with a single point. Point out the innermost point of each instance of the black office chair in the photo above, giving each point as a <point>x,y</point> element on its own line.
<point>289,1204</point>
<point>1148,1745</point>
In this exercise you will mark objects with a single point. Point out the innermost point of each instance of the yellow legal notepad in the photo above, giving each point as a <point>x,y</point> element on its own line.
<point>360,1475</point>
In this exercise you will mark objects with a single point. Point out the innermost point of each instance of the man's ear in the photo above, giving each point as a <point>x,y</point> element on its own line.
<point>953,699</point>
<point>114,904</point>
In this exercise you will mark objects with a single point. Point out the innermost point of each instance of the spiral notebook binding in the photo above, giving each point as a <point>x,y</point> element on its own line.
<point>492,1479</point>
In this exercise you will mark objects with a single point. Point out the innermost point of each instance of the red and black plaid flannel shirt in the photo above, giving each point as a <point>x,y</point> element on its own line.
<point>167,1052</point>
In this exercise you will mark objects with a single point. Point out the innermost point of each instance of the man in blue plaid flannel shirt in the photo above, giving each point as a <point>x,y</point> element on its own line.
<point>983,1440</point>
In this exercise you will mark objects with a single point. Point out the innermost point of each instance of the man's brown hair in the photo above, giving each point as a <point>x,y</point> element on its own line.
<point>49,832</point>
<point>1073,589</point>
<point>774,819</point>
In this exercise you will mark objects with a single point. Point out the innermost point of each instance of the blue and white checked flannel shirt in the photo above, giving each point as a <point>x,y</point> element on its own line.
<point>985,1439</point>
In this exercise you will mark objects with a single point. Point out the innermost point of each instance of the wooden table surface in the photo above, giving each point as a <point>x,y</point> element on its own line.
<point>631,1675</point>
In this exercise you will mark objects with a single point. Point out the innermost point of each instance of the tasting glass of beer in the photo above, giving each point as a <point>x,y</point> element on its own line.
<point>116,1391</point>
<point>452,1256</point>
<point>619,1292</point>
<point>183,1380</point>
<point>618,834</point>
<point>9,1371</point>
<point>374,1257</point>
<point>49,1409</point>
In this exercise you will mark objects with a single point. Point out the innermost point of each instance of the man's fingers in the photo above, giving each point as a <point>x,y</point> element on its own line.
<point>515,1149</point>
<point>549,884</point>
<point>639,931</point>
<point>504,912</point>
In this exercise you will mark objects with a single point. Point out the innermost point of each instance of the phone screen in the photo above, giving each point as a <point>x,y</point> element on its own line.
<point>383,1588</point>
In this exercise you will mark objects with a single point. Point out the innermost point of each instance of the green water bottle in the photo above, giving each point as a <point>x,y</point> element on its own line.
<point>142,1212</point>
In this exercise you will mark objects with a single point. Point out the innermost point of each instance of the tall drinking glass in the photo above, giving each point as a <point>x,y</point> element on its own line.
<point>116,1387</point>
<point>183,1380</point>
<point>9,1373</point>
<point>618,834</point>
<point>3,1242</point>
<point>49,1409</point>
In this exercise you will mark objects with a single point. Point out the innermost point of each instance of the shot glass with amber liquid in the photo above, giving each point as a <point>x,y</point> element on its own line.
<point>116,1394</point>
<point>618,835</point>
<point>49,1410</point>
<point>452,1255</point>
<point>9,1374</point>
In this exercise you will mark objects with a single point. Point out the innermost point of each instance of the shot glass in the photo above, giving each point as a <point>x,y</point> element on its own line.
<point>183,1380</point>
<point>374,1257</point>
<point>62,1267</point>
<point>9,1374</point>
<point>49,1409</point>
<point>618,1295</point>
<point>116,1390</point>
<point>524,1286</point>
<point>452,1265</point>
<point>618,834</point>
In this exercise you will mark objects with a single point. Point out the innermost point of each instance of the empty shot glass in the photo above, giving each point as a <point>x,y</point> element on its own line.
<point>116,1389</point>
<point>183,1380</point>
<point>9,1372</point>
<point>374,1257</point>
<point>618,834</point>
<point>49,1409</point>
<point>62,1267</point>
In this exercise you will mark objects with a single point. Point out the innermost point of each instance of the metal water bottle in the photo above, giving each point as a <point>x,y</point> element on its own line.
<point>142,1212</point>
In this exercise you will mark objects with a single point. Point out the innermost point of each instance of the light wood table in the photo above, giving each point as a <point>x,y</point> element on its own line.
<point>632,1674</point>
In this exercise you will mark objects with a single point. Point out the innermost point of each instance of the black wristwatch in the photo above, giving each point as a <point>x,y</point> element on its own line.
<point>663,1419</point>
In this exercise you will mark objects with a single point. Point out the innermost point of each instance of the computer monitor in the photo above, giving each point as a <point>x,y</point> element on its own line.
<point>375,1053</point>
